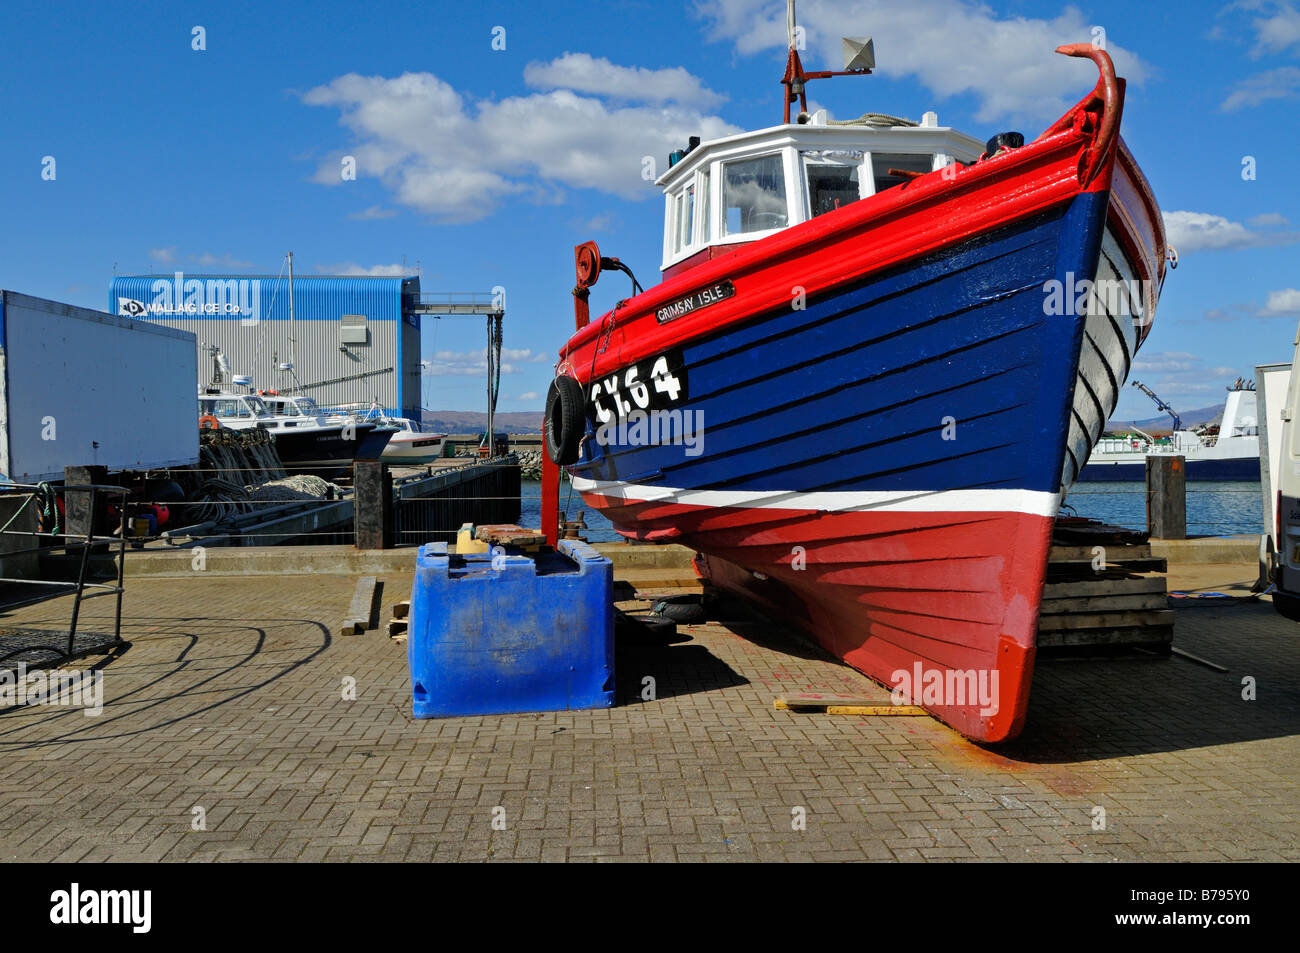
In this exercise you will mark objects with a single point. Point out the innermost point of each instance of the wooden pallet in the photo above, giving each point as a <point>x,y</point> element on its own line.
<point>1104,588</point>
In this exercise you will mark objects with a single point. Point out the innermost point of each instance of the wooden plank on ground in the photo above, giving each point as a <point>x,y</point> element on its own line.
<point>832,704</point>
<point>365,603</point>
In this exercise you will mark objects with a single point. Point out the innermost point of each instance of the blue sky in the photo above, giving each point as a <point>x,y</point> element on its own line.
<point>487,165</point>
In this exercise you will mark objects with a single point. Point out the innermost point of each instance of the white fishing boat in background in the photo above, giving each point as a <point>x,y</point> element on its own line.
<point>409,443</point>
<point>1228,452</point>
<point>306,439</point>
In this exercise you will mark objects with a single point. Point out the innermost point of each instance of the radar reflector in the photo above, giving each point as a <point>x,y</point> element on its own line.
<point>859,52</point>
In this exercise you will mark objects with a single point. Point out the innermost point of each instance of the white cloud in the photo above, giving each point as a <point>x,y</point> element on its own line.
<point>1202,231</point>
<point>1281,83</point>
<point>374,213</point>
<point>1268,219</point>
<point>456,161</point>
<point>584,73</point>
<point>163,256</point>
<point>1284,303</point>
<point>209,260</point>
<point>1166,362</point>
<point>604,222</point>
<point>523,354</point>
<point>529,395</point>
<point>466,364</point>
<point>953,47</point>
<point>352,269</point>
<point>1276,28</point>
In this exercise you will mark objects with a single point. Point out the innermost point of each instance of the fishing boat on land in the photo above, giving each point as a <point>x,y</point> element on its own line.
<point>880,353</point>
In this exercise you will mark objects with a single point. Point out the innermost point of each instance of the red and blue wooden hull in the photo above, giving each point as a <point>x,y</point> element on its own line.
<point>880,463</point>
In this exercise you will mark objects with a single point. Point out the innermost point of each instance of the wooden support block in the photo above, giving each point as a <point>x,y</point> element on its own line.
<point>401,609</point>
<point>1128,586</point>
<point>396,627</point>
<point>1127,635</point>
<point>1082,569</point>
<point>1109,603</point>
<point>1106,620</point>
<point>1115,552</point>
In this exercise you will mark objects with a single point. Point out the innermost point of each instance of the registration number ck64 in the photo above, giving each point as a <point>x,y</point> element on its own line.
<point>655,383</point>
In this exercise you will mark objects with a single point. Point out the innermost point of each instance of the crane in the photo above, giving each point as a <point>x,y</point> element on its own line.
<point>1178,421</point>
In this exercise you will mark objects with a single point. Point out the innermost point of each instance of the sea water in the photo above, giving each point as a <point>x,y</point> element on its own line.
<point>1213,508</point>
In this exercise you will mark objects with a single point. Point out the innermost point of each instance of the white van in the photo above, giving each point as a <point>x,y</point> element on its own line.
<point>1280,474</point>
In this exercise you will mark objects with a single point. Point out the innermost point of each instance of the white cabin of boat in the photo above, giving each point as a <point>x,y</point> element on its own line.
<point>728,192</point>
<point>283,405</point>
<point>234,409</point>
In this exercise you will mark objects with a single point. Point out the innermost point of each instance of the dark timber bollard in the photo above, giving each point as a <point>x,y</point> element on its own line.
<point>79,517</point>
<point>372,514</point>
<point>1166,497</point>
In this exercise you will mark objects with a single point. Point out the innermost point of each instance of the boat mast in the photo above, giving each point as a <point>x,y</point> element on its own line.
<point>859,60</point>
<point>293,355</point>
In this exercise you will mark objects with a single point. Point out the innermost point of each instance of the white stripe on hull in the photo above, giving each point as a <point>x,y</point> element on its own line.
<point>1030,502</point>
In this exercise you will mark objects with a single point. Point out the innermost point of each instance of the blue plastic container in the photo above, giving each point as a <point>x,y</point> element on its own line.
<point>508,633</point>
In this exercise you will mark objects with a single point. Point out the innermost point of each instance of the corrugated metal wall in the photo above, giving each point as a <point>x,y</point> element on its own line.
<point>248,318</point>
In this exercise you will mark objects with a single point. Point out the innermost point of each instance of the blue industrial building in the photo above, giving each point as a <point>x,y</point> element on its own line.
<point>351,339</point>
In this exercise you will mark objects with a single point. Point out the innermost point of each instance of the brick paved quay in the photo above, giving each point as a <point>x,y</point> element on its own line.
<point>229,699</point>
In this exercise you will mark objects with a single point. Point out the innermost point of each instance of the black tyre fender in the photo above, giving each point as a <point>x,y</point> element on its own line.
<point>641,627</point>
<point>689,610</point>
<point>565,420</point>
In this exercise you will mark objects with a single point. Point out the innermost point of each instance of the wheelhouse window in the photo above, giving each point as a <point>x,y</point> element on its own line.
<point>228,407</point>
<point>883,162</point>
<point>833,179</point>
<point>753,195</point>
<point>686,218</point>
<point>705,212</point>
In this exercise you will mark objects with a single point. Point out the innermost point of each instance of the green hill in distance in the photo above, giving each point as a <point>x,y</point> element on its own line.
<point>474,421</point>
<point>1191,418</point>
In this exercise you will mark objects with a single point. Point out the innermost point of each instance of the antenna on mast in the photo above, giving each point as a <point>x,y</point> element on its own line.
<point>859,60</point>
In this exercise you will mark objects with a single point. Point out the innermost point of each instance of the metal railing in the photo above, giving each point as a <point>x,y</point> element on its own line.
<point>28,641</point>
